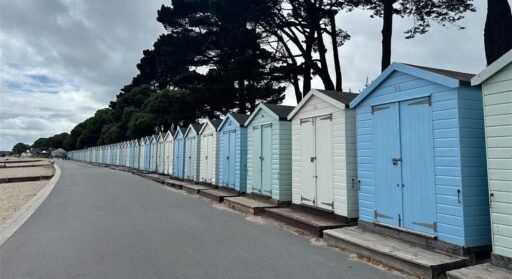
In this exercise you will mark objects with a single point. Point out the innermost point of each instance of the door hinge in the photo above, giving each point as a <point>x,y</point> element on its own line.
<point>331,204</point>
<point>432,226</point>
<point>399,220</point>
<point>379,215</point>
<point>304,199</point>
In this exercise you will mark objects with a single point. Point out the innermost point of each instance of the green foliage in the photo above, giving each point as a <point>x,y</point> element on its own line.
<point>20,148</point>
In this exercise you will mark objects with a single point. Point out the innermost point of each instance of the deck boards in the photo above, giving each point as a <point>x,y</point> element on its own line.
<point>247,205</point>
<point>303,220</point>
<point>217,195</point>
<point>397,253</point>
<point>481,271</point>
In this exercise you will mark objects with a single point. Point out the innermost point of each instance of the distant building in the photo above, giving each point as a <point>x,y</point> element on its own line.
<point>59,153</point>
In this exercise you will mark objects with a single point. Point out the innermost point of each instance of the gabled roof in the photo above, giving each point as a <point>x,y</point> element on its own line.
<point>237,117</point>
<point>280,112</point>
<point>447,78</point>
<point>168,135</point>
<point>160,137</point>
<point>214,122</point>
<point>181,131</point>
<point>194,126</point>
<point>335,98</point>
<point>492,69</point>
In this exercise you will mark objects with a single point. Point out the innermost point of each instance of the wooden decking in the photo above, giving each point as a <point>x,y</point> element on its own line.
<point>193,188</point>
<point>304,220</point>
<point>218,195</point>
<point>413,259</point>
<point>481,271</point>
<point>247,205</point>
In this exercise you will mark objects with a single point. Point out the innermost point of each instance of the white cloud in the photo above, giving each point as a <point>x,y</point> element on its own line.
<point>83,52</point>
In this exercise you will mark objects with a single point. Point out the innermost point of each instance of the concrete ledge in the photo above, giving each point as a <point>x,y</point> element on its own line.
<point>21,216</point>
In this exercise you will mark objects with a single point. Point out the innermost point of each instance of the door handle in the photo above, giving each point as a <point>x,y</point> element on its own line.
<point>396,160</point>
<point>313,159</point>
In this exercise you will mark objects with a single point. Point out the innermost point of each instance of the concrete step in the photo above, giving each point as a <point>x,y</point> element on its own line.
<point>396,253</point>
<point>193,188</point>
<point>247,205</point>
<point>307,221</point>
<point>217,195</point>
<point>481,271</point>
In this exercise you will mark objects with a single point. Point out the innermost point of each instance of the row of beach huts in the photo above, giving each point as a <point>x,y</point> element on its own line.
<point>414,172</point>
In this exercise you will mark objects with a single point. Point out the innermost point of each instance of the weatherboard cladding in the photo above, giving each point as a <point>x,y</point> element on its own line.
<point>458,150</point>
<point>497,90</point>
<point>169,149</point>
<point>343,150</point>
<point>281,143</point>
<point>179,153</point>
<point>192,151</point>
<point>209,130</point>
<point>234,123</point>
<point>154,152</point>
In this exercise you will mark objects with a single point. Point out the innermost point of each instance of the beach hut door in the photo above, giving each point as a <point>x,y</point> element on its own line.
<point>308,161</point>
<point>324,180</point>
<point>262,159</point>
<point>404,172</point>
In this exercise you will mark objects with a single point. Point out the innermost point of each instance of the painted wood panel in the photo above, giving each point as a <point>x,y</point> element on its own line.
<point>497,100</point>
<point>232,142</point>
<point>345,195</point>
<point>459,176</point>
<point>209,154</point>
<point>270,139</point>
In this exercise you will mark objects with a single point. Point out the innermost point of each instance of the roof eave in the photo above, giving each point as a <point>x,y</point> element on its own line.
<point>407,69</point>
<point>320,95</point>
<point>492,69</point>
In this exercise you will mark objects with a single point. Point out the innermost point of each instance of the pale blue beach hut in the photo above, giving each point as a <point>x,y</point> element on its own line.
<point>179,153</point>
<point>269,156</point>
<point>421,155</point>
<point>233,152</point>
<point>192,151</point>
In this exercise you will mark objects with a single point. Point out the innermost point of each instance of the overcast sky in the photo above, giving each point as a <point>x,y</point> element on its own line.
<point>61,60</point>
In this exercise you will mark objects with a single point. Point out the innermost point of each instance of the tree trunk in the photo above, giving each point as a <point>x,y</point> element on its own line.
<point>242,101</point>
<point>335,54</point>
<point>387,32</point>
<point>498,30</point>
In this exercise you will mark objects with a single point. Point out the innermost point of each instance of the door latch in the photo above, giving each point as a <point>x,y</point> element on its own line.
<point>313,159</point>
<point>396,160</point>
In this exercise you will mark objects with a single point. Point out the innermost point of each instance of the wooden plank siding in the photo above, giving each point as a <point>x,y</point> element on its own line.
<point>240,153</point>
<point>281,154</point>
<point>498,128</point>
<point>210,129</point>
<point>457,144</point>
<point>345,199</point>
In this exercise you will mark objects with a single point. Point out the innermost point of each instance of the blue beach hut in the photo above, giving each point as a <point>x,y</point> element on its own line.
<point>179,153</point>
<point>233,152</point>
<point>147,154</point>
<point>421,156</point>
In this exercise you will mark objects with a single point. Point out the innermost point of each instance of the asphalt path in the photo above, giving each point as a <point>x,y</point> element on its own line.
<point>101,223</point>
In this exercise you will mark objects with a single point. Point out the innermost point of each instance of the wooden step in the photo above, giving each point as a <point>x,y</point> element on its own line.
<point>304,220</point>
<point>217,195</point>
<point>481,271</point>
<point>174,183</point>
<point>193,188</point>
<point>396,253</point>
<point>247,205</point>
